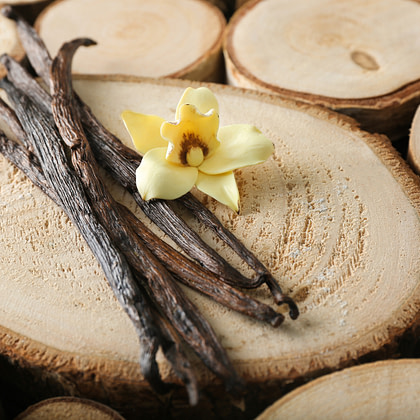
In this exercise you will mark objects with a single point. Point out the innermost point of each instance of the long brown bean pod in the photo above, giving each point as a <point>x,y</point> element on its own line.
<point>163,290</point>
<point>66,186</point>
<point>110,148</point>
<point>20,157</point>
<point>184,269</point>
<point>122,163</point>
<point>28,163</point>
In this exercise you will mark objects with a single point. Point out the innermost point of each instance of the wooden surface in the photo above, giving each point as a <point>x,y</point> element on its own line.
<point>144,38</point>
<point>351,56</point>
<point>334,215</point>
<point>413,154</point>
<point>68,408</point>
<point>9,41</point>
<point>382,390</point>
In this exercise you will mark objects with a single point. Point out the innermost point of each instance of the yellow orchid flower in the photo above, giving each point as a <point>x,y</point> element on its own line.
<point>193,150</point>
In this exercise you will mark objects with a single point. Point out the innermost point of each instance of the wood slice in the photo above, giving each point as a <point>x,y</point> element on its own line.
<point>382,390</point>
<point>352,56</point>
<point>334,214</point>
<point>413,154</point>
<point>9,41</point>
<point>67,408</point>
<point>156,38</point>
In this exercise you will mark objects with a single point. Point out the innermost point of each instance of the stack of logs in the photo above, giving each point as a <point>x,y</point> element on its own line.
<point>337,224</point>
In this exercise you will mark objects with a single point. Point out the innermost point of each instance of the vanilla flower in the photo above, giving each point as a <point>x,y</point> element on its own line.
<point>193,150</point>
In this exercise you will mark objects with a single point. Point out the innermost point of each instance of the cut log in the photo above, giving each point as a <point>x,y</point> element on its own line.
<point>334,215</point>
<point>9,42</point>
<point>156,38</point>
<point>67,408</point>
<point>413,154</point>
<point>382,390</point>
<point>351,56</point>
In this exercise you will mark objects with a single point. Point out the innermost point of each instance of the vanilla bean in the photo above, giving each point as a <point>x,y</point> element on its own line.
<point>169,340</point>
<point>24,160</point>
<point>41,61</point>
<point>122,163</point>
<point>45,143</point>
<point>202,280</point>
<point>19,155</point>
<point>31,42</point>
<point>183,315</point>
<point>111,153</point>
<point>172,347</point>
<point>183,268</point>
<point>212,222</point>
<point>8,116</point>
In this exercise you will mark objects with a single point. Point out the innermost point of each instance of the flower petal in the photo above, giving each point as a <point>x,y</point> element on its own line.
<point>221,187</point>
<point>202,98</point>
<point>193,130</point>
<point>240,145</point>
<point>157,178</point>
<point>144,130</point>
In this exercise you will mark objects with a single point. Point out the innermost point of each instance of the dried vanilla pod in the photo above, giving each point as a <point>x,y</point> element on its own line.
<point>46,145</point>
<point>108,149</point>
<point>169,341</point>
<point>162,289</point>
<point>183,268</point>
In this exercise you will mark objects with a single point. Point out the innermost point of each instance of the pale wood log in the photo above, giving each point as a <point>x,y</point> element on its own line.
<point>68,408</point>
<point>156,38</point>
<point>352,56</point>
<point>334,214</point>
<point>382,390</point>
<point>9,41</point>
<point>413,153</point>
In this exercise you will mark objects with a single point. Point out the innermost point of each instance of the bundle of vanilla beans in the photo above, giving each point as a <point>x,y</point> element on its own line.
<point>60,145</point>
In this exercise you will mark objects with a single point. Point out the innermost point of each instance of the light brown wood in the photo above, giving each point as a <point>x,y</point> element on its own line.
<point>413,154</point>
<point>334,214</point>
<point>156,38</point>
<point>382,390</point>
<point>68,408</point>
<point>350,56</point>
<point>9,41</point>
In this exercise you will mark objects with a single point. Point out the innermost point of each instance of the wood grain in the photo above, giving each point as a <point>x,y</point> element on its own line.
<point>68,408</point>
<point>156,38</point>
<point>350,56</point>
<point>9,41</point>
<point>413,153</point>
<point>382,390</point>
<point>334,214</point>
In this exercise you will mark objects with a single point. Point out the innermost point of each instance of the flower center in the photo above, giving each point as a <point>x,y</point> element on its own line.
<point>195,156</point>
<point>193,149</point>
